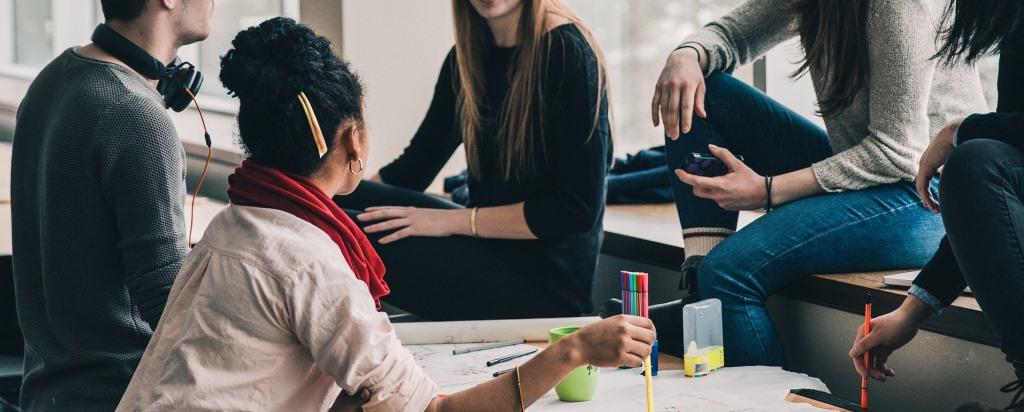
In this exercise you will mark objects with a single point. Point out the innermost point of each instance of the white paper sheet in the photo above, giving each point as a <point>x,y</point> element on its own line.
<point>746,389</point>
<point>453,373</point>
<point>533,330</point>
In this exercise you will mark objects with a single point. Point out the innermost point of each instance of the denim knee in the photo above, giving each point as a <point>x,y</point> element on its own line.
<point>720,276</point>
<point>723,87</point>
<point>974,166</point>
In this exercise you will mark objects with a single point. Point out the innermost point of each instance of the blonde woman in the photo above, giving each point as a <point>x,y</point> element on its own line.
<point>524,90</point>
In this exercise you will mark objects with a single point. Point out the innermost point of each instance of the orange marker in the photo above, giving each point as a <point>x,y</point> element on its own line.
<point>867,357</point>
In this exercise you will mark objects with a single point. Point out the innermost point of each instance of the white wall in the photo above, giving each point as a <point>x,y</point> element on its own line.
<point>397,47</point>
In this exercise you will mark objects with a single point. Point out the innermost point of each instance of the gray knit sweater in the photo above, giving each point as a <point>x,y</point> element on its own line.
<point>879,139</point>
<point>97,185</point>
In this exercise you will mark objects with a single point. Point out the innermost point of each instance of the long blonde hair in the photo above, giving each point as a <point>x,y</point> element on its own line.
<point>522,119</point>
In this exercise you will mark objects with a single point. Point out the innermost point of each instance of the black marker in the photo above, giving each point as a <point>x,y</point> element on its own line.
<point>499,373</point>
<point>510,357</point>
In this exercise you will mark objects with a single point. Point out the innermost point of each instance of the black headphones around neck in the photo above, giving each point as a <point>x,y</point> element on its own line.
<point>173,80</point>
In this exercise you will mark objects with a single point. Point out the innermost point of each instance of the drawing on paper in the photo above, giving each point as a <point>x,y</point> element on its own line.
<point>453,373</point>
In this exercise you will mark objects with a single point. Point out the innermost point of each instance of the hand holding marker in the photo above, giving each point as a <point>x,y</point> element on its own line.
<point>634,302</point>
<point>867,357</point>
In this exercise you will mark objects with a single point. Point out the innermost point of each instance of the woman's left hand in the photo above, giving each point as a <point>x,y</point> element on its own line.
<point>934,157</point>
<point>410,221</point>
<point>739,189</point>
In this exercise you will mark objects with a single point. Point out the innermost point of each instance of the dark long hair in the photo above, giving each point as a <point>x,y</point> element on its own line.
<point>834,37</point>
<point>974,28</point>
<point>522,120</point>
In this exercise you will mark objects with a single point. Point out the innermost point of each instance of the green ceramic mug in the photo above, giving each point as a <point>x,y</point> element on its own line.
<point>580,384</point>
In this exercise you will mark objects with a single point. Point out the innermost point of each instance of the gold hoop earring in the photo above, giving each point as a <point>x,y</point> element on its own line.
<point>353,171</point>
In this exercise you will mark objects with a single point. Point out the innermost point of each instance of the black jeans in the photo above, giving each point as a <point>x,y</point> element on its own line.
<point>458,277</point>
<point>981,190</point>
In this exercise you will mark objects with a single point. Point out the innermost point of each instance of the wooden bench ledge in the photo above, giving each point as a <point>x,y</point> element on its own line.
<point>650,234</point>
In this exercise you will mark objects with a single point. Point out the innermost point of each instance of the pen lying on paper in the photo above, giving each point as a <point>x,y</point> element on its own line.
<point>504,359</point>
<point>499,373</point>
<point>488,346</point>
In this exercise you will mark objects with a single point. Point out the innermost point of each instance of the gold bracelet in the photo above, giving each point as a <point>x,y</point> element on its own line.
<point>472,222</point>
<point>519,390</point>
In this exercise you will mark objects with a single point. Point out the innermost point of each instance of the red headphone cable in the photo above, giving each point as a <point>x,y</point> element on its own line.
<point>202,177</point>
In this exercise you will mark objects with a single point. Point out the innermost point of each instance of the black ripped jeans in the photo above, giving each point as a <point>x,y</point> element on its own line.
<point>981,190</point>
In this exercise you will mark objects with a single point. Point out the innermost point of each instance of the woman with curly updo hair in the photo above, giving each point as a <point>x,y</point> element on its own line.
<point>276,309</point>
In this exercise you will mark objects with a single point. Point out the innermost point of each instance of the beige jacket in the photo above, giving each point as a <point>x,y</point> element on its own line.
<point>267,316</point>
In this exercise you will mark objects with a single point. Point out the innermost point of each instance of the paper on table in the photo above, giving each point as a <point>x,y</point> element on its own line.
<point>479,331</point>
<point>453,373</point>
<point>746,389</point>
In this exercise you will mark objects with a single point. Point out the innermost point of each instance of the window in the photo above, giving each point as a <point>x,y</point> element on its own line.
<point>36,31</point>
<point>637,37</point>
<point>231,16</point>
<point>33,43</point>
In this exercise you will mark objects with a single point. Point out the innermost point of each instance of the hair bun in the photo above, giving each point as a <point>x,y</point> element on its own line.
<point>275,59</point>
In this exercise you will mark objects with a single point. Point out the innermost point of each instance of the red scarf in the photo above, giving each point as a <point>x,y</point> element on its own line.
<point>260,186</point>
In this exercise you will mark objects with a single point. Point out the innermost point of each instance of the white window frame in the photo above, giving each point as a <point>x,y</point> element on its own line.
<point>223,104</point>
<point>7,33</point>
<point>70,29</point>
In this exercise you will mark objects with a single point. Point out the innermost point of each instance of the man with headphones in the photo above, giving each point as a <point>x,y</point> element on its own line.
<point>97,188</point>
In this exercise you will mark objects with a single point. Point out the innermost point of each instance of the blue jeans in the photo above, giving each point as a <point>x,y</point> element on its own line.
<point>879,228</point>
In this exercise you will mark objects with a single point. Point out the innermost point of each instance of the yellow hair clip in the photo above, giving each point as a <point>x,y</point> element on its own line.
<point>318,135</point>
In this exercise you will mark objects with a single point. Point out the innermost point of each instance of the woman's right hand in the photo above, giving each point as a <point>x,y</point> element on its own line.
<point>889,332</point>
<point>679,92</point>
<point>934,157</point>
<point>619,340</point>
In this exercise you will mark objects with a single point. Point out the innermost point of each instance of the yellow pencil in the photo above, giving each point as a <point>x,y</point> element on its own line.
<point>650,385</point>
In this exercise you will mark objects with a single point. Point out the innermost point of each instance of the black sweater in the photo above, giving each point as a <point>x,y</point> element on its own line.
<point>941,277</point>
<point>564,200</point>
<point>97,183</point>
